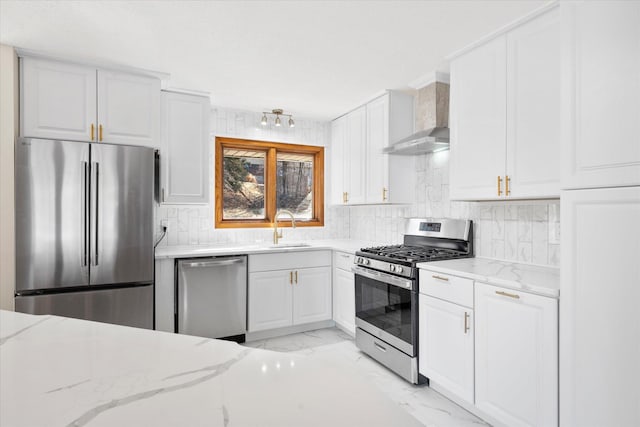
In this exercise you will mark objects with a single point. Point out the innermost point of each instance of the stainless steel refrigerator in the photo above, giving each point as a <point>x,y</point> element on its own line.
<point>84,231</point>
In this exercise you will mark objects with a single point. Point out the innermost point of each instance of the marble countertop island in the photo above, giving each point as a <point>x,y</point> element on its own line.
<point>57,371</point>
<point>539,280</point>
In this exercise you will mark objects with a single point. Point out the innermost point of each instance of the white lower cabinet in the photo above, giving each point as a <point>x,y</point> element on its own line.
<point>446,345</point>
<point>344,293</point>
<point>270,300</point>
<point>288,289</point>
<point>311,295</point>
<point>516,356</point>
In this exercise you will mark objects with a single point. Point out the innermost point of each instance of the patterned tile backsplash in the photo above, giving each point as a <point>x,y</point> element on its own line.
<point>523,231</point>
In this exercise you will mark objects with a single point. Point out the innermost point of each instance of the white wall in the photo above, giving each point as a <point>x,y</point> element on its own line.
<point>193,224</point>
<point>8,132</point>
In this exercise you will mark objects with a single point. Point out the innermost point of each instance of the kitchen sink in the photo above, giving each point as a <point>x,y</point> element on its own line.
<point>290,245</point>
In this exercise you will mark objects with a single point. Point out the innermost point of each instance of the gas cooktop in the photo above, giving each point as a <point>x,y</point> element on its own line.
<point>412,254</point>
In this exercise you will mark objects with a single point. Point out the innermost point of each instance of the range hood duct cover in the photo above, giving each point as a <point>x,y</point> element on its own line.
<point>422,142</point>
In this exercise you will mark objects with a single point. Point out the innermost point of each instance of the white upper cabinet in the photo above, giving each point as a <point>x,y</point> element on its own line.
<point>516,356</point>
<point>185,148</point>
<point>505,115</point>
<point>601,94</point>
<point>128,109</point>
<point>533,108</point>
<point>57,100</point>
<point>338,185</point>
<point>377,187</point>
<point>478,121</point>
<point>354,167</point>
<point>361,172</point>
<point>81,103</point>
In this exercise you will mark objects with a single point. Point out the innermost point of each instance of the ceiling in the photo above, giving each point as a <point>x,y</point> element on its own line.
<point>315,59</point>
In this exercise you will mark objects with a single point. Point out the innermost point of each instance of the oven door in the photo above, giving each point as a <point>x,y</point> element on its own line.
<point>387,307</point>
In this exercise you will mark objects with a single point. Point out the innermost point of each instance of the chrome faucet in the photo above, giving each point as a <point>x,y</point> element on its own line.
<point>276,235</point>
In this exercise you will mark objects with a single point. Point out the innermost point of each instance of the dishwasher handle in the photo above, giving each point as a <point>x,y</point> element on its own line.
<point>213,263</point>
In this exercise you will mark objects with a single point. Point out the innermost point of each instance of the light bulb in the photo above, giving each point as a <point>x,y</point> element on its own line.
<point>263,121</point>
<point>278,123</point>
<point>291,122</point>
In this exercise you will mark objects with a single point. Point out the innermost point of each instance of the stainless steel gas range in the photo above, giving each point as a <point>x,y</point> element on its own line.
<point>386,286</point>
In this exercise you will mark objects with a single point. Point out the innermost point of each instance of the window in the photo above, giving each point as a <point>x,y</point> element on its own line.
<point>255,179</point>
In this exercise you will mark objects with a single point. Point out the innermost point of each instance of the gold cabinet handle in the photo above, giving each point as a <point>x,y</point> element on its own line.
<point>291,277</point>
<point>100,133</point>
<point>466,322</point>
<point>507,294</point>
<point>92,130</point>
<point>384,194</point>
<point>499,185</point>
<point>446,279</point>
<point>346,197</point>
<point>506,185</point>
<point>296,279</point>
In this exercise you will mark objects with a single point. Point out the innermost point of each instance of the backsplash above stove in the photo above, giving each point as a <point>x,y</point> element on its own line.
<point>522,231</point>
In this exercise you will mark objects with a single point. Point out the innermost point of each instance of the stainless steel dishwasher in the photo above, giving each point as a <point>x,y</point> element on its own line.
<point>211,298</point>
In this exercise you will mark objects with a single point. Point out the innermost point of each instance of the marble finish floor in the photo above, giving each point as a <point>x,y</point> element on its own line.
<point>426,405</point>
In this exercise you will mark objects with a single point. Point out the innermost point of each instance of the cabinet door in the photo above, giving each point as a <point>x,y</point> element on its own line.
<point>128,109</point>
<point>311,295</point>
<point>601,94</point>
<point>57,100</point>
<point>270,300</point>
<point>355,152</point>
<point>344,299</point>
<point>338,185</point>
<point>516,356</point>
<point>599,295</point>
<point>185,148</point>
<point>446,345</point>
<point>477,121</point>
<point>533,108</point>
<point>377,164</point>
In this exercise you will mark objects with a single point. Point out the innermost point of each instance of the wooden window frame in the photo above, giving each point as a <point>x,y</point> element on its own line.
<point>271,148</point>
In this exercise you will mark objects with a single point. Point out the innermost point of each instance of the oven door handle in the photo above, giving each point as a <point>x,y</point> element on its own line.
<point>383,277</point>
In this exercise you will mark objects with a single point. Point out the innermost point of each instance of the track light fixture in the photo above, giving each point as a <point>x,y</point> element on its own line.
<point>278,122</point>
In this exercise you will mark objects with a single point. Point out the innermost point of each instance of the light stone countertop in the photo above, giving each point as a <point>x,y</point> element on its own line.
<point>344,245</point>
<point>58,371</point>
<point>539,280</point>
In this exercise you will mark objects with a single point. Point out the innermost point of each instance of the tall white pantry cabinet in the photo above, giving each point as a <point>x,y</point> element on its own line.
<point>600,208</point>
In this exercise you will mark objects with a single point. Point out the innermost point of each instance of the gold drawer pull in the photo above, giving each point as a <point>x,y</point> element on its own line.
<point>446,279</point>
<point>466,322</point>
<point>507,294</point>
<point>100,133</point>
<point>384,194</point>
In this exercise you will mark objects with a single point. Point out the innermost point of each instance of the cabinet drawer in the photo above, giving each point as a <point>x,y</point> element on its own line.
<point>343,260</point>
<point>450,288</point>
<point>289,260</point>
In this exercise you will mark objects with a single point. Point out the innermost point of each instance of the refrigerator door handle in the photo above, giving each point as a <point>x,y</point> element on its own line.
<point>95,168</point>
<point>85,214</point>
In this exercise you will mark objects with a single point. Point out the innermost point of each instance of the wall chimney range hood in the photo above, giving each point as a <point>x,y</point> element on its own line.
<point>431,123</point>
<point>421,142</point>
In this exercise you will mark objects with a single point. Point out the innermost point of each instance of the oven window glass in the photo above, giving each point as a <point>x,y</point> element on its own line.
<point>385,306</point>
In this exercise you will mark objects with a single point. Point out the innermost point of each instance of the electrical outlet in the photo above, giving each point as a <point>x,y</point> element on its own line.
<point>164,223</point>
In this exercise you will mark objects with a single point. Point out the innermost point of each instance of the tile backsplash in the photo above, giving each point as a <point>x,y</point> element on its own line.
<point>523,231</point>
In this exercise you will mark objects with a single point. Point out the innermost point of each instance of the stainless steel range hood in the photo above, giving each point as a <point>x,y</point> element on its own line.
<point>422,142</point>
<point>431,123</point>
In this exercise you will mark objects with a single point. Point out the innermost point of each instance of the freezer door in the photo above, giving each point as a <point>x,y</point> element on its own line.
<point>131,306</point>
<point>121,214</point>
<point>51,214</point>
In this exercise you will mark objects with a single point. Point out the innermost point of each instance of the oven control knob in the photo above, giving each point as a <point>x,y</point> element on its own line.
<point>359,260</point>
<point>367,262</point>
<point>398,269</point>
<point>392,268</point>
